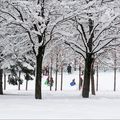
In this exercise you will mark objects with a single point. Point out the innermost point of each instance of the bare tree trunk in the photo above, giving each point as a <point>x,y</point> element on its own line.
<point>38,94</point>
<point>19,81</point>
<point>4,81</point>
<point>92,84</point>
<point>87,71</point>
<point>51,70</point>
<point>56,73</point>
<point>26,88</point>
<point>115,79</point>
<point>48,71</point>
<point>97,78</point>
<point>88,62</point>
<point>61,78</point>
<point>115,69</point>
<point>38,79</point>
<point>1,87</point>
<point>80,82</point>
<point>92,79</point>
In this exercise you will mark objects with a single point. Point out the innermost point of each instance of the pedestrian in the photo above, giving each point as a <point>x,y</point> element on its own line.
<point>69,69</point>
<point>47,70</point>
<point>73,82</point>
<point>51,81</point>
<point>47,82</point>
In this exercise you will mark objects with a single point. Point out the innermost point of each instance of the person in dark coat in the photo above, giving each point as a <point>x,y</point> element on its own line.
<point>69,69</point>
<point>51,81</point>
<point>45,70</point>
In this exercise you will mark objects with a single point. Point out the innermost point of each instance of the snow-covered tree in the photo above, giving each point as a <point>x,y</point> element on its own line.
<point>94,25</point>
<point>36,20</point>
<point>110,58</point>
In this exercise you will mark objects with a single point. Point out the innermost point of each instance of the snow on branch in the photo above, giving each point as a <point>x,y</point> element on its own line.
<point>70,44</point>
<point>105,42</point>
<point>6,12</point>
<point>105,27</point>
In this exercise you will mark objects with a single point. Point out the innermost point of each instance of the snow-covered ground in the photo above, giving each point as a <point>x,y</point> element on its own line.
<point>66,104</point>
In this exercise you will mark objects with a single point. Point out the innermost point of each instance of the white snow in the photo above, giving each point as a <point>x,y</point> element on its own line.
<point>66,104</point>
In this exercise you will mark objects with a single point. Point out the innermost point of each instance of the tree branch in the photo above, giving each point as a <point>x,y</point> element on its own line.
<point>104,46</point>
<point>74,49</point>
<point>83,35</point>
<point>93,30</point>
<point>8,14</point>
<point>21,16</point>
<point>33,47</point>
<point>54,26</point>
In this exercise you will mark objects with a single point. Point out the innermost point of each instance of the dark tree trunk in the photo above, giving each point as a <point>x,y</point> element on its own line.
<point>51,67</point>
<point>48,71</point>
<point>80,82</point>
<point>86,84</point>
<point>115,79</point>
<point>26,88</point>
<point>92,79</point>
<point>88,61</point>
<point>19,82</point>
<point>1,87</point>
<point>115,69</point>
<point>4,81</point>
<point>38,79</point>
<point>97,78</point>
<point>56,73</point>
<point>51,70</point>
<point>61,87</point>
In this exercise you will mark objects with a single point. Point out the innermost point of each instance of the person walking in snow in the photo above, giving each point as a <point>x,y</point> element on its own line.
<point>47,81</point>
<point>51,81</point>
<point>69,69</point>
<point>73,82</point>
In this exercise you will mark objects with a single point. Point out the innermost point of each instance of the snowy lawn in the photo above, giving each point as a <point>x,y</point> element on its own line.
<point>66,104</point>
